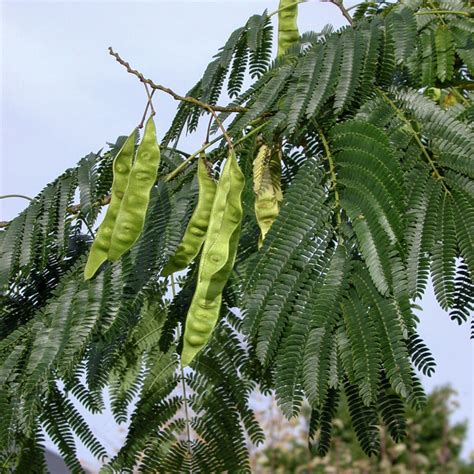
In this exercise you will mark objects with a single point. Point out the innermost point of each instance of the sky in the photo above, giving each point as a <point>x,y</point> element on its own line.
<point>63,96</point>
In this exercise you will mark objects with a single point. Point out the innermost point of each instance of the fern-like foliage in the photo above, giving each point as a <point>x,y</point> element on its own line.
<point>247,49</point>
<point>375,126</point>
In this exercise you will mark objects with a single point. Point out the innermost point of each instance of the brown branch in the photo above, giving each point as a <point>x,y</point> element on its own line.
<point>343,9</point>
<point>150,96</point>
<point>191,100</point>
<point>223,130</point>
<point>209,129</point>
<point>102,201</point>
<point>192,157</point>
<point>148,104</point>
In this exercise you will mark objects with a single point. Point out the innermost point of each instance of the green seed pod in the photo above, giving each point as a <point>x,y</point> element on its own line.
<point>197,227</point>
<point>267,188</point>
<point>267,209</point>
<point>287,25</point>
<point>217,260</point>
<point>121,169</point>
<point>131,217</point>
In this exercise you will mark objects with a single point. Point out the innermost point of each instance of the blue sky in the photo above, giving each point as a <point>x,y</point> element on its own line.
<point>63,96</point>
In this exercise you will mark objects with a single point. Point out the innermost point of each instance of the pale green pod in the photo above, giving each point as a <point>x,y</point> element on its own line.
<point>196,229</point>
<point>121,170</point>
<point>267,209</point>
<point>217,260</point>
<point>131,217</point>
<point>267,187</point>
<point>287,25</point>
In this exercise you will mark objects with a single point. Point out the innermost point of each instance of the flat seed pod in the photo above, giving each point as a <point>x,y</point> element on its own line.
<point>267,188</point>
<point>196,229</point>
<point>121,168</point>
<point>133,209</point>
<point>217,260</point>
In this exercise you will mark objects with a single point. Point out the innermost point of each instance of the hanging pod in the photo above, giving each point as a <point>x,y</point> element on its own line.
<point>196,229</point>
<point>121,170</point>
<point>131,217</point>
<point>217,260</point>
<point>287,25</point>
<point>130,196</point>
<point>267,188</point>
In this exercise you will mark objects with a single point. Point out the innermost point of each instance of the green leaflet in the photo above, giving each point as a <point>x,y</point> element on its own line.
<point>444,53</point>
<point>321,337</point>
<point>302,213</point>
<point>365,347</point>
<point>364,419</point>
<point>247,49</point>
<point>371,179</point>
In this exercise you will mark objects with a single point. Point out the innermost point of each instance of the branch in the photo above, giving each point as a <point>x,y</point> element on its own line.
<point>224,131</point>
<point>191,100</point>
<point>332,172</point>
<point>422,147</point>
<point>192,157</point>
<point>343,9</point>
<point>21,196</point>
<point>74,210</point>
<point>102,201</point>
<point>444,12</point>
<point>148,104</point>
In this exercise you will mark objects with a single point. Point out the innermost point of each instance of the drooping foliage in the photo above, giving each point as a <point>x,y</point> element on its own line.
<point>374,122</point>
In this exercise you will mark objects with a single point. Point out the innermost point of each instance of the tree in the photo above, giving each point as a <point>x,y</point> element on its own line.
<point>433,443</point>
<point>373,126</point>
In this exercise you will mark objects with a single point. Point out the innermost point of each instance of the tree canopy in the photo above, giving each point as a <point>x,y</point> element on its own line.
<point>433,443</point>
<point>371,125</point>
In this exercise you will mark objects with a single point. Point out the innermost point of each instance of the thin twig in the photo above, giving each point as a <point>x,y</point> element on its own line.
<point>332,171</point>
<point>5,224</point>
<point>343,9</point>
<point>359,4</point>
<point>74,210</point>
<point>224,131</point>
<point>21,196</point>
<point>457,94</point>
<point>444,12</point>
<point>176,150</point>
<point>433,8</point>
<point>102,201</point>
<point>148,104</point>
<point>402,117</point>
<point>171,175</point>
<point>150,96</point>
<point>89,228</point>
<point>173,94</point>
<point>183,385</point>
<point>209,129</point>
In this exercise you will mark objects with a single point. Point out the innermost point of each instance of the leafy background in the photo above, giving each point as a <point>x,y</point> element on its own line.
<point>64,99</point>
